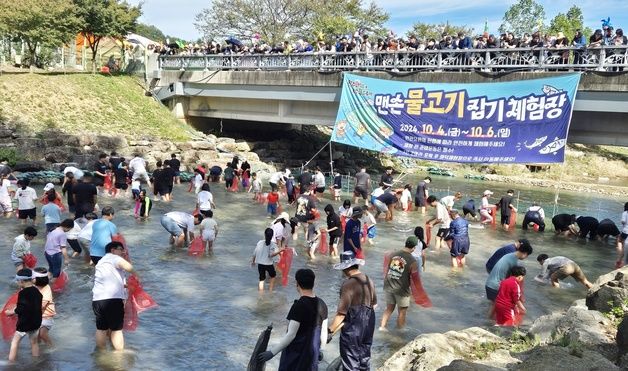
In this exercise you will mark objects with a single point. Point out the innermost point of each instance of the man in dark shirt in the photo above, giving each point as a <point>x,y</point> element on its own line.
<point>387,177</point>
<point>85,197</point>
<point>507,249</point>
<point>168,175</point>
<point>422,194</point>
<point>562,222</point>
<point>306,205</point>
<point>585,226</point>
<point>100,170</point>
<point>114,161</point>
<point>305,180</point>
<point>469,209</point>
<point>389,200</point>
<point>175,164</point>
<point>302,344</point>
<point>505,206</point>
<point>29,313</point>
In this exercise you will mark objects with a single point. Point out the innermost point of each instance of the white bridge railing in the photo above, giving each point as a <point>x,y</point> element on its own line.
<point>607,58</point>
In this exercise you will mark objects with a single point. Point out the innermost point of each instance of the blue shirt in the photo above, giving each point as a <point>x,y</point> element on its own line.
<point>500,270</point>
<point>459,227</point>
<point>51,212</point>
<point>498,255</point>
<point>352,232</point>
<point>102,230</point>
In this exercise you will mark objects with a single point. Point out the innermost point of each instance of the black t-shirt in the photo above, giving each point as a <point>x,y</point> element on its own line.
<point>420,189</point>
<point>469,205</point>
<point>28,309</point>
<point>84,193</point>
<point>121,175</point>
<point>562,221</point>
<point>309,312</point>
<point>302,352</point>
<point>67,190</point>
<point>114,162</point>
<point>504,204</point>
<point>607,227</point>
<point>157,173</point>
<point>387,178</point>
<point>333,220</point>
<point>245,167</point>
<point>215,170</point>
<point>101,168</point>
<point>306,179</point>
<point>175,164</point>
<point>387,198</point>
<point>167,175</point>
<point>587,223</point>
<point>305,204</point>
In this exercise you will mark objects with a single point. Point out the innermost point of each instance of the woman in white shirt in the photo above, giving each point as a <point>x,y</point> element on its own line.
<point>26,197</point>
<point>205,200</point>
<point>263,255</point>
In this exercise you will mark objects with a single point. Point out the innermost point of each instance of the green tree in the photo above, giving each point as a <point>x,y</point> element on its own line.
<point>278,20</point>
<point>523,16</point>
<point>426,31</point>
<point>38,24</point>
<point>150,31</point>
<point>105,18</point>
<point>568,23</point>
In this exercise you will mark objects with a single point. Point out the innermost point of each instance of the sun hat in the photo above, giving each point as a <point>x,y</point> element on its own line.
<point>487,193</point>
<point>348,259</point>
<point>284,215</point>
<point>48,187</point>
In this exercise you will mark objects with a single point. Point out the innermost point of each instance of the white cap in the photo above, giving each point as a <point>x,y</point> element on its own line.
<point>487,193</point>
<point>48,187</point>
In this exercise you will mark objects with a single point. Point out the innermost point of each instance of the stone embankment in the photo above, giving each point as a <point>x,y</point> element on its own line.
<point>50,150</point>
<point>569,186</point>
<point>579,338</point>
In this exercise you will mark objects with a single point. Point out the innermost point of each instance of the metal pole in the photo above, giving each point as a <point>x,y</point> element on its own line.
<point>331,160</point>
<point>518,194</point>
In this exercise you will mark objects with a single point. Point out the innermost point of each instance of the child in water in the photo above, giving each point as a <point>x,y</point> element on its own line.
<point>47,304</point>
<point>29,314</point>
<point>273,203</point>
<point>406,198</point>
<point>143,205</point>
<point>313,237</point>
<point>256,187</point>
<point>337,186</point>
<point>509,302</point>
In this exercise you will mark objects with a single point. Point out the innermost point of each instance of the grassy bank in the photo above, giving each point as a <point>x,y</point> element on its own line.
<point>76,103</point>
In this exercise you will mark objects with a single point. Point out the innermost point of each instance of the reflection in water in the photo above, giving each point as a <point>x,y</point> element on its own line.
<point>210,313</point>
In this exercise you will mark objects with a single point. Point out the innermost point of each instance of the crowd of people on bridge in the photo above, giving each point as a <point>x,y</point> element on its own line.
<point>341,232</point>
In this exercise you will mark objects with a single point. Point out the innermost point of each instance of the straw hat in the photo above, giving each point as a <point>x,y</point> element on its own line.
<point>348,259</point>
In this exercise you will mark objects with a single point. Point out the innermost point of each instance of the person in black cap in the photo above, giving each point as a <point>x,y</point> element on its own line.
<point>355,315</point>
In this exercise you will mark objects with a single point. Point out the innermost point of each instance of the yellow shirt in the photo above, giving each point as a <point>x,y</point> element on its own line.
<point>47,303</point>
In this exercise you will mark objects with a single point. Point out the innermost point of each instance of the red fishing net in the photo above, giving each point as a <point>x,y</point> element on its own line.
<point>59,284</point>
<point>323,245</point>
<point>8,322</point>
<point>284,265</point>
<point>197,247</point>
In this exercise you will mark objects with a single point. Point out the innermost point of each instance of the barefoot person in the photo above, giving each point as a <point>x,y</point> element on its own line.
<point>397,282</point>
<point>28,312</point>
<point>302,346</point>
<point>509,302</point>
<point>180,225</point>
<point>441,219</point>
<point>500,272</point>
<point>264,254</point>
<point>22,247</point>
<point>40,274</point>
<point>109,294</point>
<point>559,268</point>
<point>459,237</point>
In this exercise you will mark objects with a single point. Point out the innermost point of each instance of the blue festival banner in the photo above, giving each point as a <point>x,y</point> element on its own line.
<point>505,122</point>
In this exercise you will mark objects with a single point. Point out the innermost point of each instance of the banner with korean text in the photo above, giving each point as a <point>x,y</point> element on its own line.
<point>507,122</point>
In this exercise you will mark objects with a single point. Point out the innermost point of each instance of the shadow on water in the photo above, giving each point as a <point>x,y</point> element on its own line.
<point>210,313</point>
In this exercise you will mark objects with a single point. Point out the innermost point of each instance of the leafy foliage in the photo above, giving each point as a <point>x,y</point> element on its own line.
<point>279,20</point>
<point>38,23</point>
<point>10,155</point>
<point>568,23</point>
<point>150,31</point>
<point>523,16</point>
<point>426,31</point>
<point>105,18</point>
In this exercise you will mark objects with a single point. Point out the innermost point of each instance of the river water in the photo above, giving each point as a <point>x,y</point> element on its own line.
<point>210,313</point>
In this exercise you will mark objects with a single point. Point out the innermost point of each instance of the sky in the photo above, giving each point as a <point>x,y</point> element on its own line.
<point>177,17</point>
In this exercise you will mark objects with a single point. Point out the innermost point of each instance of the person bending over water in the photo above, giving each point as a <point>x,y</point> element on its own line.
<point>559,268</point>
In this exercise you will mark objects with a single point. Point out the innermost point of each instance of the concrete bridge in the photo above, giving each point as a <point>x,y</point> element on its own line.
<point>301,97</point>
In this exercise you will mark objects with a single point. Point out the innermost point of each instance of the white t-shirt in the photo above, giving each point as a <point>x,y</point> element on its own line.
<point>4,189</point>
<point>25,198</point>
<point>109,280</point>
<point>538,209</point>
<point>274,178</point>
<point>209,224</point>
<point>448,201</point>
<point>442,214</point>
<point>198,180</point>
<point>262,252</point>
<point>485,204</point>
<point>78,173</point>
<point>319,180</point>
<point>624,222</point>
<point>406,196</point>
<point>278,231</point>
<point>345,212</point>
<point>377,192</point>
<point>138,165</point>
<point>257,185</point>
<point>73,233</point>
<point>184,220</point>
<point>205,200</point>
<point>136,184</point>
<point>86,232</point>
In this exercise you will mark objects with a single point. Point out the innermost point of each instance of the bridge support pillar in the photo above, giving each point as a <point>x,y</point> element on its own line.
<point>179,107</point>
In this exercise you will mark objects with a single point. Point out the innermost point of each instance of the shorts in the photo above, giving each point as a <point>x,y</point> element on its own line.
<point>136,193</point>
<point>320,189</point>
<point>333,240</point>
<point>271,209</point>
<point>47,322</point>
<point>208,235</point>
<point>491,294</point>
<point>205,213</point>
<point>162,190</point>
<point>109,314</point>
<point>442,232</point>
<point>570,269</point>
<point>31,334</point>
<point>85,244</point>
<point>420,201</point>
<point>28,213</point>
<point>360,192</point>
<point>381,207</point>
<point>460,247</point>
<point>401,301</point>
<point>177,173</point>
<point>55,261</point>
<point>142,174</point>
<point>74,245</point>
<point>262,269</point>
<point>505,219</point>
<point>51,226</point>
<point>171,226</point>
<point>467,211</point>
<point>122,186</point>
<point>337,192</point>
<point>5,205</point>
<point>273,186</point>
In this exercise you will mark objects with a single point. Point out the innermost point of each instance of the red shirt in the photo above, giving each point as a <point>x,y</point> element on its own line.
<point>509,292</point>
<point>272,198</point>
